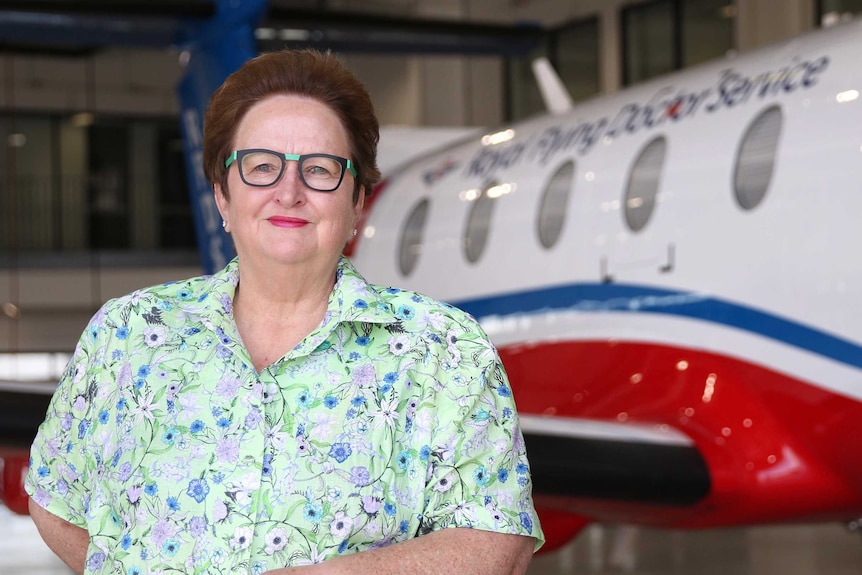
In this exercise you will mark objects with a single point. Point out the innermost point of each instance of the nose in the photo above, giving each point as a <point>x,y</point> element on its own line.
<point>290,189</point>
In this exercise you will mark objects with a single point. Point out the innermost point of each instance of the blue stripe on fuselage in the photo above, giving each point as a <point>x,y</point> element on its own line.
<point>627,298</point>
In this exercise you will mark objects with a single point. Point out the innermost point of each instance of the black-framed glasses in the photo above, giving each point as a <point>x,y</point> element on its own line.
<point>319,172</point>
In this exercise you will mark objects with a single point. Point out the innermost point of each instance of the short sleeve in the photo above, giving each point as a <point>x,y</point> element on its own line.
<point>479,475</point>
<point>59,457</point>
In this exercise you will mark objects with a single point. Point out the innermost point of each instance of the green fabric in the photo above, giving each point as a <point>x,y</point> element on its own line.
<point>392,419</point>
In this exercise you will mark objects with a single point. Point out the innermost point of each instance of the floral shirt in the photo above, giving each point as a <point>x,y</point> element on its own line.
<point>392,419</point>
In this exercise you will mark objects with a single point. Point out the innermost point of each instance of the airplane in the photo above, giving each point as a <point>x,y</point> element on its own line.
<point>671,275</point>
<point>668,273</point>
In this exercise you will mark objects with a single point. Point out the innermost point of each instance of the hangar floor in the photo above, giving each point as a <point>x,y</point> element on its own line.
<point>599,550</point>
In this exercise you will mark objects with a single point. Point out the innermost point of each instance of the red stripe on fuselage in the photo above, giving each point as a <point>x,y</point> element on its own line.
<point>778,448</point>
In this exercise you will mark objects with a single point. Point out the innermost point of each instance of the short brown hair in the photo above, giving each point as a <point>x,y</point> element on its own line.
<point>306,73</point>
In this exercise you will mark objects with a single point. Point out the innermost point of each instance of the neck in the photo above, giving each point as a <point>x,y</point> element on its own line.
<point>286,286</point>
<point>276,308</point>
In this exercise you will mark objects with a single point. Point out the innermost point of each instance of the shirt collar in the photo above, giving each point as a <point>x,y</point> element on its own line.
<point>353,300</point>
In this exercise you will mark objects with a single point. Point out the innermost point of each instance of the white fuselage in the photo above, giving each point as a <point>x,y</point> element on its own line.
<point>787,272</point>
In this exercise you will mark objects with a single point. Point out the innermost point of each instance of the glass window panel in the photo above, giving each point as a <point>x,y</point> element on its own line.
<point>28,174</point>
<point>573,50</point>
<point>176,226</point>
<point>70,184</point>
<point>834,11</point>
<point>555,201</point>
<point>643,184</point>
<point>108,193</point>
<point>576,58</point>
<point>755,160</point>
<point>525,99</point>
<point>479,224</point>
<point>707,30</point>
<point>648,39</point>
<point>411,237</point>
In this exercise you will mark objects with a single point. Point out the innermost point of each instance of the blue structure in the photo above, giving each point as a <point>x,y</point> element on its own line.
<point>211,51</point>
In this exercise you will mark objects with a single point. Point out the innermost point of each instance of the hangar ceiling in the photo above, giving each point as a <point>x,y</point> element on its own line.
<point>80,26</point>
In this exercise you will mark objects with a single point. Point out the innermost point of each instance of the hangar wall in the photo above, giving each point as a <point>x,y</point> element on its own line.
<point>46,300</point>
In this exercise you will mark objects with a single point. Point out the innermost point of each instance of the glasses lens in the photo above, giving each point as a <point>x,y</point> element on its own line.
<point>321,173</point>
<point>261,168</point>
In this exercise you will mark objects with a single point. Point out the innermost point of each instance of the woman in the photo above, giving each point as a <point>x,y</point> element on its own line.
<point>283,415</point>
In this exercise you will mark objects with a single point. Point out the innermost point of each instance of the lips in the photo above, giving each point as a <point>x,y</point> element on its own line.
<point>287,222</point>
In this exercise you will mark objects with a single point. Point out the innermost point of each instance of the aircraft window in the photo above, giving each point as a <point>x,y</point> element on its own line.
<point>755,160</point>
<point>479,223</point>
<point>643,184</point>
<point>552,212</point>
<point>411,237</point>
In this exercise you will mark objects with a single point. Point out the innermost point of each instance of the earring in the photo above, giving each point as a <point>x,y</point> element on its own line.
<point>224,224</point>
<point>354,232</point>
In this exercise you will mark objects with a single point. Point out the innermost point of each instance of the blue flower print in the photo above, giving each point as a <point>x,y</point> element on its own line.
<point>304,399</point>
<point>312,512</point>
<point>480,476</point>
<point>223,337</point>
<point>170,547</point>
<point>405,312</point>
<point>360,304</point>
<point>340,451</point>
<point>328,451</point>
<point>360,476</point>
<point>198,489</point>
<point>526,521</point>
<point>404,460</point>
<point>83,426</point>
<point>94,563</point>
<point>170,436</point>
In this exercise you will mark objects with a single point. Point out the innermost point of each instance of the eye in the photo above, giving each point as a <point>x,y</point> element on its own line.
<point>264,168</point>
<point>261,166</point>
<point>319,169</point>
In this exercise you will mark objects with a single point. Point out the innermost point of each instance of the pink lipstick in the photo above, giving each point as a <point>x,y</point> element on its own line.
<point>287,222</point>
